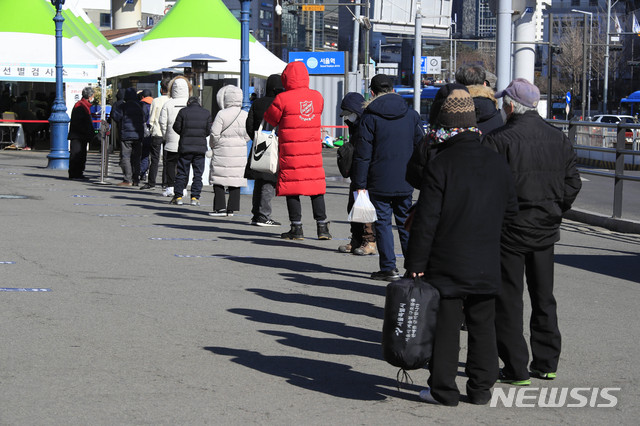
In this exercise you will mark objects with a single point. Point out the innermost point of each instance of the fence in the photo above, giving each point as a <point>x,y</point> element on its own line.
<point>617,144</point>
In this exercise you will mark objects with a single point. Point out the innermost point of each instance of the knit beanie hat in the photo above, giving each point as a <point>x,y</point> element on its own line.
<point>457,110</point>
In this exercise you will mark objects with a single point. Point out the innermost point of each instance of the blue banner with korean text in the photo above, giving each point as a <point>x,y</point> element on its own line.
<point>320,62</point>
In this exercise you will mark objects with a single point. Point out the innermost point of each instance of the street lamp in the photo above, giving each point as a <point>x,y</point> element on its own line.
<point>583,58</point>
<point>606,55</point>
<point>199,65</point>
<point>59,120</point>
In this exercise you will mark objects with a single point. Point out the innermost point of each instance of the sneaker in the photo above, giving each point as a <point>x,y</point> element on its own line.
<point>392,275</point>
<point>147,186</point>
<point>229,212</point>
<point>218,213</point>
<point>267,222</point>
<point>168,192</point>
<point>542,375</point>
<point>176,201</point>
<point>425,395</point>
<point>195,201</point>
<point>515,382</point>
<point>365,249</point>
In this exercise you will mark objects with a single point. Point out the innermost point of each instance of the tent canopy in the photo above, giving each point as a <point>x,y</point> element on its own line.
<point>194,26</point>
<point>28,50</point>
<point>634,97</point>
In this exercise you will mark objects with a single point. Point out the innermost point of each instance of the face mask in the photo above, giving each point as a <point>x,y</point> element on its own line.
<point>351,117</point>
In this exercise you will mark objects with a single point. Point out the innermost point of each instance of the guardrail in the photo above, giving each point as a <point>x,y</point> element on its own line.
<point>599,141</point>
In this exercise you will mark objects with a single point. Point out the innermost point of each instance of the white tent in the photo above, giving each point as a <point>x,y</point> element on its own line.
<point>194,26</point>
<point>27,43</point>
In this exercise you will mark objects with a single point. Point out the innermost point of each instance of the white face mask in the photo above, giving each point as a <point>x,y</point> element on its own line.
<point>351,117</point>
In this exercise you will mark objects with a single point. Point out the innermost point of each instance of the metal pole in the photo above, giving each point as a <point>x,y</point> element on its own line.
<point>104,144</point>
<point>366,55</point>
<point>244,52</point>
<point>589,71</point>
<point>356,40</point>
<point>606,58</point>
<point>59,155</point>
<point>313,31</point>
<point>503,53</point>
<point>584,66</point>
<point>417,58</point>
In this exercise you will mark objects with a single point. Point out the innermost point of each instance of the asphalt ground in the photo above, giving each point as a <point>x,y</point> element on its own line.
<point>153,314</point>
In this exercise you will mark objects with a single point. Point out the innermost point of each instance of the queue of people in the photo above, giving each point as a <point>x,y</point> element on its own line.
<point>493,184</point>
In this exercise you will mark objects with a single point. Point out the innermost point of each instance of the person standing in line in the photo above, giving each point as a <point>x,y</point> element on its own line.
<point>264,183</point>
<point>81,132</point>
<point>229,151</point>
<point>193,124</point>
<point>180,90</point>
<point>297,113</point>
<point>389,131</point>
<point>131,118</point>
<point>543,163</point>
<point>487,112</point>
<point>145,101</point>
<point>156,134</point>
<point>363,239</point>
<point>466,194</point>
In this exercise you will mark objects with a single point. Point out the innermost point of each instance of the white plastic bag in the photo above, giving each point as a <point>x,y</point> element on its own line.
<point>362,210</point>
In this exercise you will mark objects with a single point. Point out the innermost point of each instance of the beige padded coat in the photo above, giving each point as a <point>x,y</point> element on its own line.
<point>229,140</point>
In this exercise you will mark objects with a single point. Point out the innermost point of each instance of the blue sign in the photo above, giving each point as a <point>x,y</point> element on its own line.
<point>568,97</point>
<point>320,62</point>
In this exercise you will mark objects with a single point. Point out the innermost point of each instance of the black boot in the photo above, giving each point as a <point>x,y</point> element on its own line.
<point>295,233</point>
<point>323,231</point>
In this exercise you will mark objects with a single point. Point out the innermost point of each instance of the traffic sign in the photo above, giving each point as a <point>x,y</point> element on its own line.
<point>568,97</point>
<point>313,8</point>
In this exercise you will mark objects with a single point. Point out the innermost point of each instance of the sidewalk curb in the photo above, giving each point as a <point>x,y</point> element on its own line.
<point>607,222</point>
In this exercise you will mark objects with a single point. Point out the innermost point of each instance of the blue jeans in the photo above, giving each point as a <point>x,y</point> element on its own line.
<point>385,207</point>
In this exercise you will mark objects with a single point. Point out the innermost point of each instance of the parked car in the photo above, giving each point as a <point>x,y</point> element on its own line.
<point>630,135</point>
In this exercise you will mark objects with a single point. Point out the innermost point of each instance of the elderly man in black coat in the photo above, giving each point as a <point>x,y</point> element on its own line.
<point>467,194</point>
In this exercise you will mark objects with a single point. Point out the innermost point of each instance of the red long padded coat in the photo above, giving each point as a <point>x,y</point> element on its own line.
<point>296,112</point>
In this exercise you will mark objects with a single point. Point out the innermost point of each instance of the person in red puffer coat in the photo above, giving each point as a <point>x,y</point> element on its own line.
<point>296,112</point>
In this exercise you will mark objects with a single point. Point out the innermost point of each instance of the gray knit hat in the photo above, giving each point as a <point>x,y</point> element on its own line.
<point>457,110</point>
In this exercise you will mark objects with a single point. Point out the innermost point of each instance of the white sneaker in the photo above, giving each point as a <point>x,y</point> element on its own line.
<point>184,193</point>
<point>168,192</point>
<point>425,395</point>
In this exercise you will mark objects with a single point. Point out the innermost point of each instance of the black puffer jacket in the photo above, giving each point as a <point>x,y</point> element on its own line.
<point>193,124</point>
<point>543,164</point>
<point>254,118</point>
<point>488,115</point>
<point>130,116</point>
<point>389,130</point>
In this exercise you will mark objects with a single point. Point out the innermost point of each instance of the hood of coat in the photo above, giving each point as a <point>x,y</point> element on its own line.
<point>229,96</point>
<point>353,102</point>
<point>387,105</point>
<point>120,95</point>
<point>295,76</point>
<point>130,95</point>
<point>180,87</point>
<point>274,85</point>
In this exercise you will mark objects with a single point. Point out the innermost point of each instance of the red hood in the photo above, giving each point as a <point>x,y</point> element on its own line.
<point>147,100</point>
<point>295,76</point>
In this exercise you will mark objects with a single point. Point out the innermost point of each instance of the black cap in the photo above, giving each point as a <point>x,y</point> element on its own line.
<point>381,83</point>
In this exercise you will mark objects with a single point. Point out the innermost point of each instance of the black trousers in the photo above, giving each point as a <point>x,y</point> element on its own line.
<point>195,161</point>
<point>295,208</point>
<point>156,145</point>
<point>219,202</point>
<point>482,354</point>
<point>170,168</point>
<point>77,157</point>
<point>545,335</point>
<point>361,233</point>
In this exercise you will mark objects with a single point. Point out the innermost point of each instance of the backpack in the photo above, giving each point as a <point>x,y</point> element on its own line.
<point>345,158</point>
<point>410,312</point>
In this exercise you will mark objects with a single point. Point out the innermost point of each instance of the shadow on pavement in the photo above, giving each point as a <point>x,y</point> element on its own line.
<point>330,378</point>
<point>617,266</point>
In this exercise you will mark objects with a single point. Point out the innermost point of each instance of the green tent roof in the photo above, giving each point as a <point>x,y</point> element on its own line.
<point>197,18</point>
